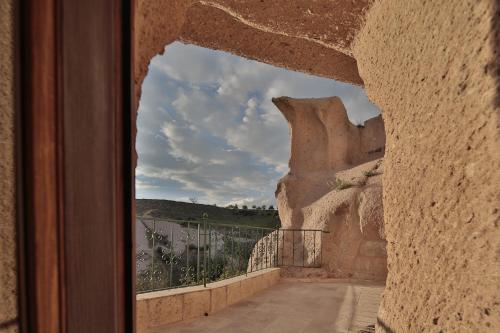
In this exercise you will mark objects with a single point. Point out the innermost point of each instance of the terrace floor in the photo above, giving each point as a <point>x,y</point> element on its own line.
<point>294,306</point>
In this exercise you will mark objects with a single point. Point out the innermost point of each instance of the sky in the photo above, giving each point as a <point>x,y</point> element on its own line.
<point>207,128</point>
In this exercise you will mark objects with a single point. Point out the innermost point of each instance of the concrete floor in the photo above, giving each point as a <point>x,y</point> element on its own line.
<point>294,307</point>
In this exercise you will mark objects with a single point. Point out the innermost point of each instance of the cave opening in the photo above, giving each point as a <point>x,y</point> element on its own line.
<point>212,135</point>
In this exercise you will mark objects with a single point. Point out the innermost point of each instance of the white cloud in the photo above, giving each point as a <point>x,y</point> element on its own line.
<point>142,185</point>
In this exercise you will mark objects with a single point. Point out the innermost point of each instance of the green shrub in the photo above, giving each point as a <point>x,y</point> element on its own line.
<point>339,184</point>
<point>371,173</point>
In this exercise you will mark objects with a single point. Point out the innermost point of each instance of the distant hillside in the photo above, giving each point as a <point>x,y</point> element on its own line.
<point>167,209</point>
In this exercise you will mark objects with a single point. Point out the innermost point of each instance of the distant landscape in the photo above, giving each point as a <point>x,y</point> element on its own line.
<point>175,210</point>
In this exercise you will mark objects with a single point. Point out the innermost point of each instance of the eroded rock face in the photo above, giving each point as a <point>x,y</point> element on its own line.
<point>322,124</point>
<point>334,184</point>
<point>438,86</point>
<point>355,245</point>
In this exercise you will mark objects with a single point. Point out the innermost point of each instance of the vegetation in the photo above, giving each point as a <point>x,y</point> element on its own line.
<point>161,265</point>
<point>371,173</point>
<point>172,269</point>
<point>167,209</point>
<point>339,184</point>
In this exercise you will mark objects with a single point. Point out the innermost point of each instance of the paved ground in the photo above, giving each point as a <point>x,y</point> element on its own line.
<point>294,307</point>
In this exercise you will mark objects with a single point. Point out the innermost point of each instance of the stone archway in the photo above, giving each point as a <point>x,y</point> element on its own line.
<point>300,39</point>
<point>432,67</point>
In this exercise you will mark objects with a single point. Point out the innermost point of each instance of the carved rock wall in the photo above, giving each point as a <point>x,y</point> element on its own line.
<point>312,37</point>
<point>433,68</point>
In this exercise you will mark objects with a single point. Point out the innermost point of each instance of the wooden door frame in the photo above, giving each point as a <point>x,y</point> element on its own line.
<point>75,167</point>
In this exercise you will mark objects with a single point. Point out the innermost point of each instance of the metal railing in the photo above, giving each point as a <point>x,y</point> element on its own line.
<point>289,247</point>
<point>174,253</point>
<point>304,247</point>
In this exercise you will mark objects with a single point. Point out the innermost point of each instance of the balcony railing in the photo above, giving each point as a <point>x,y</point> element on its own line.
<point>289,248</point>
<point>174,253</point>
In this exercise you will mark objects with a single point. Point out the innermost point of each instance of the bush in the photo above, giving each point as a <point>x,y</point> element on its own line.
<point>371,173</point>
<point>340,184</point>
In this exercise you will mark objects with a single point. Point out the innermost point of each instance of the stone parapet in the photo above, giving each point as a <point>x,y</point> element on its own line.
<point>160,308</point>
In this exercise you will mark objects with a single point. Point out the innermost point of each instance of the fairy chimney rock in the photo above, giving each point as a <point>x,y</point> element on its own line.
<point>323,138</point>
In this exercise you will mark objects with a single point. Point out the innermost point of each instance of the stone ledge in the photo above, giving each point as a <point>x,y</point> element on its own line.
<point>164,307</point>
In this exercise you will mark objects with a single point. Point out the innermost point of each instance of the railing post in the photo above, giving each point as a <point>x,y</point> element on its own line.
<point>303,248</point>
<point>224,241</point>
<point>283,249</point>
<point>252,247</point>
<point>172,249</point>
<point>215,245</point>
<point>256,248</point>
<point>188,277</point>
<point>232,251</point>
<point>321,250</point>
<point>239,250</point>
<point>268,258</point>
<point>264,240</point>
<point>277,247</point>
<point>209,250</point>
<point>250,256</point>
<point>204,250</point>
<point>262,243</point>
<point>153,256</point>
<point>198,256</point>
<point>314,249</point>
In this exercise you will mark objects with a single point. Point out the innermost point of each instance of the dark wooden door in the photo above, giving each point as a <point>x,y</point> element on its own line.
<point>76,167</point>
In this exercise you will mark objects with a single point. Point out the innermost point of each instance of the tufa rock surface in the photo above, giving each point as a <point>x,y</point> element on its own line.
<point>433,68</point>
<point>334,184</point>
<point>309,36</point>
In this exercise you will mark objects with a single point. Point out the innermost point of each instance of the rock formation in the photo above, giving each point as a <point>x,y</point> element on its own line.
<point>334,184</point>
<point>322,123</point>
<point>433,68</point>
